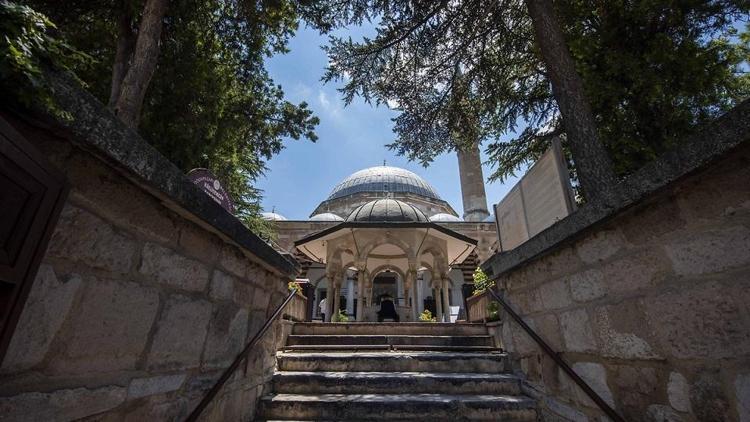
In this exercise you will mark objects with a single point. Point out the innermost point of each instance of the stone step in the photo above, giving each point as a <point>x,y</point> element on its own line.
<point>423,340</point>
<point>391,328</point>
<point>299,382</point>
<point>442,407</point>
<point>337,347</point>
<point>385,347</point>
<point>394,361</point>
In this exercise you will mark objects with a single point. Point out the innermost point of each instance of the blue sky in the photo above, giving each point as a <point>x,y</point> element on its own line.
<point>351,138</point>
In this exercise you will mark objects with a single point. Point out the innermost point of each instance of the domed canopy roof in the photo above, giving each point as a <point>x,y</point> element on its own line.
<point>383,179</point>
<point>326,216</point>
<point>272,216</point>
<point>443,217</point>
<point>386,210</point>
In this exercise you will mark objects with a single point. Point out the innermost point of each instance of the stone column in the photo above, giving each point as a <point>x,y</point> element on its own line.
<point>438,304</point>
<point>337,299</point>
<point>414,303</point>
<point>332,300</point>
<point>329,300</point>
<point>472,184</point>
<point>361,294</point>
<point>400,291</point>
<point>446,299</point>
<point>419,295</point>
<point>409,289</point>
<point>349,296</point>
<point>437,285</point>
<point>368,289</point>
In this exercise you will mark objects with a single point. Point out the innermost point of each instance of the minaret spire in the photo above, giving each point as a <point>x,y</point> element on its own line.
<point>472,184</point>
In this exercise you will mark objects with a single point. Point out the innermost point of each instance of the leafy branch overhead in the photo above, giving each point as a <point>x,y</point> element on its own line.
<point>653,72</point>
<point>210,101</point>
<point>26,48</point>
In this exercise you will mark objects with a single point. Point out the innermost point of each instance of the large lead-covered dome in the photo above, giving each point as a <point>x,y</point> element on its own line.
<point>387,210</point>
<point>383,179</point>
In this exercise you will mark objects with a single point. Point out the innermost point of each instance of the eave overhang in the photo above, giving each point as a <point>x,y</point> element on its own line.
<point>314,242</point>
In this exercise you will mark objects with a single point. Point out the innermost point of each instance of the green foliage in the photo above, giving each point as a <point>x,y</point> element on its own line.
<point>293,286</point>
<point>426,316</point>
<point>654,71</point>
<point>211,102</point>
<point>493,311</point>
<point>481,282</point>
<point>26,47</point>
<point>339,317</point>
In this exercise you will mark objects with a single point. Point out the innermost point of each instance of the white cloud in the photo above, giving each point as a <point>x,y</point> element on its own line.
<point>330,106</point>
<point>303,91</point>
<point>323,100</point>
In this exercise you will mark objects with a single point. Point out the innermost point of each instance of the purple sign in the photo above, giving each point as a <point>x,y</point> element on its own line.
<point>208,182</point>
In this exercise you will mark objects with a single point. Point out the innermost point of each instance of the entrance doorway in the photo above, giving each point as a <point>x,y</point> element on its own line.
<point>385,285</point>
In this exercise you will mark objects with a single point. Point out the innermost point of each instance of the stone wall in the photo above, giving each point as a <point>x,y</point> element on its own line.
<point>477,307</point>
<point>141,301</point>
<point>650,306</point>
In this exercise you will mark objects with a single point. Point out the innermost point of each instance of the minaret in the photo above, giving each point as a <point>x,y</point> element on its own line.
<point>472,184</point>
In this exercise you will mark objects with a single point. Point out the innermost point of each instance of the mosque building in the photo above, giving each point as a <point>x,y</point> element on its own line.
<point>385,232</point>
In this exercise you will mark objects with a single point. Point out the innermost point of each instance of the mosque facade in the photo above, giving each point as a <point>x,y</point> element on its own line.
<point>392,206</point>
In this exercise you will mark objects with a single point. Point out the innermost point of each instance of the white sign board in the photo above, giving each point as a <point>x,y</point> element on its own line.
<point>542,197</point>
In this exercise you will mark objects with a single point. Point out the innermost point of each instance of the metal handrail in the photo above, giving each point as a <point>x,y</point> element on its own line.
<point>237,361</point>
<point>611,413</point>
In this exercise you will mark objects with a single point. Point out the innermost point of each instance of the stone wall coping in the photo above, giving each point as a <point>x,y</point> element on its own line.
<point>700,150</point>
<point>96,130</point>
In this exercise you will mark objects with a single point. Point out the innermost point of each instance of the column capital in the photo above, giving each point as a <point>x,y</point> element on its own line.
<point>436,283</point>
<point>335,275</point>
<point>360,264</point>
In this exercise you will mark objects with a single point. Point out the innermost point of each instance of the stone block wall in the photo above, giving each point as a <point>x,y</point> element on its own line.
<point>137,308</point>
<point>651,307</point>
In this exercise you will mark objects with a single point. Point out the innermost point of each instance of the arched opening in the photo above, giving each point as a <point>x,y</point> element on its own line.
<point>386,284</point>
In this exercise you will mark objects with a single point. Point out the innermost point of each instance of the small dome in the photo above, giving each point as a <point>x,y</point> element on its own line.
<point>383,179</point>
<point>387,210</point>
<point>326,216</point>
<point>272,216</point>
<point>443,217</point>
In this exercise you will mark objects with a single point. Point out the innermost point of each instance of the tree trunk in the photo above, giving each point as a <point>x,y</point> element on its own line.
<point>595,172</point>
<point>124,53</point>
<point>143,64</point>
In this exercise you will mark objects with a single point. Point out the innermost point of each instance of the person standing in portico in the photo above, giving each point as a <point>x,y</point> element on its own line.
<point>322,306</point>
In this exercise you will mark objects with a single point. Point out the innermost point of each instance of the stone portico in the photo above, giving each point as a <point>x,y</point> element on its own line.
<point>426,282</point>
<point>392,237</point>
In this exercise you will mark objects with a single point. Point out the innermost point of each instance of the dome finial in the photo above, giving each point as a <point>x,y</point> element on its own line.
<point>384,162</point>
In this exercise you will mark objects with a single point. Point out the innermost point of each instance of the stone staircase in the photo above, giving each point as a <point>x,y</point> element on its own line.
<point>394,371</point>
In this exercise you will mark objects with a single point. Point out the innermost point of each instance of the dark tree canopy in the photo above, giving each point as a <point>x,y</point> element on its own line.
<point>469,70</point>
<point>211,102</point>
